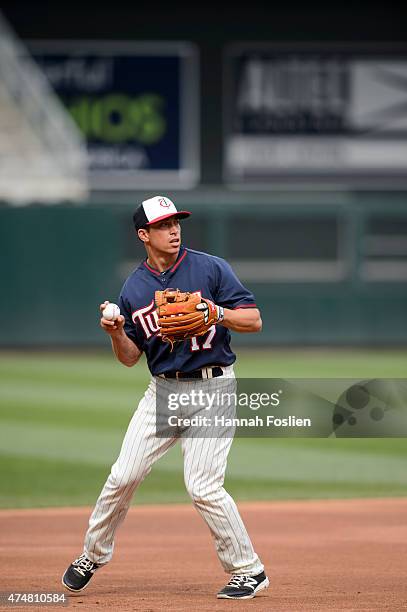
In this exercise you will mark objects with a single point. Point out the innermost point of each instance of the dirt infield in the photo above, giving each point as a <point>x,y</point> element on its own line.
<point>319,555</point>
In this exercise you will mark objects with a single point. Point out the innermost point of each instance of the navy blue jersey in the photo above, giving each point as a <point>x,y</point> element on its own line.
<point>195,272</point>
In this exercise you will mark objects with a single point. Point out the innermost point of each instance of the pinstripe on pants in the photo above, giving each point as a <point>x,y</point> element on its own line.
<point>205,460</point>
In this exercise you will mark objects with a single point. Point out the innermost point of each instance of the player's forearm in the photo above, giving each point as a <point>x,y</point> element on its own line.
<point>125,350</point>
<point>243,320</point>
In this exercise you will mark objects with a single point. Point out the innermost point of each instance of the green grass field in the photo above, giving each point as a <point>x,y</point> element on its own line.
<point>63,417</point>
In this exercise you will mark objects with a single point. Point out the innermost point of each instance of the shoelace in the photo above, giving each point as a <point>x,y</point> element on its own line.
<point>239,580</point>
<point>83,564</point>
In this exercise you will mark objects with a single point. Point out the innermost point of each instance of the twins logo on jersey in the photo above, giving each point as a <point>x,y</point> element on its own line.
<point>148,319</point>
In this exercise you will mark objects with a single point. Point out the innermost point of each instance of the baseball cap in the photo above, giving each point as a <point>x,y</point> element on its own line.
<point>156,209</point>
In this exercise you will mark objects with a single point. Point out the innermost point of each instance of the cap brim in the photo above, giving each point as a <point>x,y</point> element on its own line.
<point>180,214</point>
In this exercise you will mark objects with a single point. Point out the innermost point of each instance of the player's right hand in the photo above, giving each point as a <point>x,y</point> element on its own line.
<point>111,327</point>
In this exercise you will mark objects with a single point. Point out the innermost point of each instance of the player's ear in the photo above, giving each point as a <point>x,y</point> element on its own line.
<point>143,235</point>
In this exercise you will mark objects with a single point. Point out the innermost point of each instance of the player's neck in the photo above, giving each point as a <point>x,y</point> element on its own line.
<point>161,261</point>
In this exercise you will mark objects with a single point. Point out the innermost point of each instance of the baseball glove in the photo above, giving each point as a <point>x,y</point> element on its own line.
<point>182,315</point>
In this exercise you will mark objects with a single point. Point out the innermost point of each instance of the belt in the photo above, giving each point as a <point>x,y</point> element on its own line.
<point>203,373</point>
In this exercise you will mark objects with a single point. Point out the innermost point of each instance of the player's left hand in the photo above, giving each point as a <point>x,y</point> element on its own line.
<point>183,315</point>
<point>207,307</point>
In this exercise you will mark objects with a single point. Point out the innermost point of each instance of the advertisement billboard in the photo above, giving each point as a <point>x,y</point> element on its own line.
<point>135,103</point>
<point>314,113</point>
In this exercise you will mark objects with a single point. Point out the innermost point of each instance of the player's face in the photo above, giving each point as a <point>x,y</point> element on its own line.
<point>165,236</point>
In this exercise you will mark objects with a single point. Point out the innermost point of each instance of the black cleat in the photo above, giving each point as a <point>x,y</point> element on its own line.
<point>79,573</point>
<point>244,587</point>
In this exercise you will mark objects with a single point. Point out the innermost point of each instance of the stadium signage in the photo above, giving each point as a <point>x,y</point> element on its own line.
<point>135,103</point>
<point>307,113</point>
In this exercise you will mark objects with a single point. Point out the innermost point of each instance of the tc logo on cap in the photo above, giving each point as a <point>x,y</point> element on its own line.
<point>163,202</point>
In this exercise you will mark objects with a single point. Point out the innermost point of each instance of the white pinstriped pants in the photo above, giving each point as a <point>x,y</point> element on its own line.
<point>205,462</point>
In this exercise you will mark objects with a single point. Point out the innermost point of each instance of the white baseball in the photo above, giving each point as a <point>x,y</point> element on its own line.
<point>111,312</point>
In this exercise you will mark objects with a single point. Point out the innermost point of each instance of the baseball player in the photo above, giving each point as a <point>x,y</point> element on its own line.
<point>202,360</point>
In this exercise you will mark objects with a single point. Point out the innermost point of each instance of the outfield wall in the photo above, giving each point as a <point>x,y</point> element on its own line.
<point>329,272</point>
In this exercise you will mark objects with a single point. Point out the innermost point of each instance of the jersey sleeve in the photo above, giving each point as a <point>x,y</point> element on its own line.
<point>229,291</point>
<point>129,328</point>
